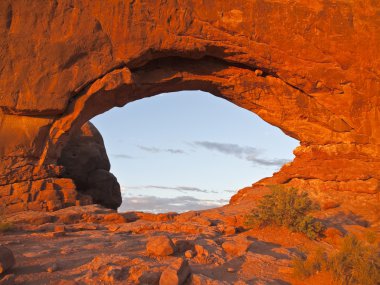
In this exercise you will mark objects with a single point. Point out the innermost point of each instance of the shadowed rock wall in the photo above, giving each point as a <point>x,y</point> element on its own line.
<point>311,69</point>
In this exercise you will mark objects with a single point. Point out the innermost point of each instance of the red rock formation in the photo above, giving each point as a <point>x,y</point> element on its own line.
<point>47,194</point>
<point>310,68</point>
<point>85,160</point>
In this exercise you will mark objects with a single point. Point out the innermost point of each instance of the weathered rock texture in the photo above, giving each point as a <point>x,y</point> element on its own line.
<point>47,194</point>
<point>85,160</point>
<point>309,67</point>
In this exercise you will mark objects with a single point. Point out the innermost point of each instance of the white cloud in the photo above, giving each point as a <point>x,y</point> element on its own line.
<point>244,152</point>
<point>159,150</point>
<point>182,189</point>
<point>161,205</point>
<point>122,156</point>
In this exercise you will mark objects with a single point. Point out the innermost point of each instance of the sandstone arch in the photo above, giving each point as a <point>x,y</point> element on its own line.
<point>310,69</point>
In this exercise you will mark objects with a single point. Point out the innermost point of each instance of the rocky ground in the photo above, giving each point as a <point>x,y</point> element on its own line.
<point>94,245</point>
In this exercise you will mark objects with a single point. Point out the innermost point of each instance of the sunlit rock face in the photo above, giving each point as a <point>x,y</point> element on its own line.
<point>310,68</point>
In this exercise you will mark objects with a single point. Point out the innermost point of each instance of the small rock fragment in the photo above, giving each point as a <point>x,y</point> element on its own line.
<point>112,274</point>
<point>241,282</point>
<point>52,268</point>
<point>69,218</point>
<point>59,228</point>
<point>54,205</point>
<point>114,218</point>
<point>236,247</point>
<point>176,273</point>
<point>160,246</point>
<point>258,72</point>
<point>7,259</point>
<point>189,253</point>
<point>286,269</point>
<point>230,230</point>
<point>202,249</point>
<point>330,205</point>
<point>66,251</point>
<point>39,219</point>
<point>202,221</point>
<point>112,227</point>
<point>207,251</point>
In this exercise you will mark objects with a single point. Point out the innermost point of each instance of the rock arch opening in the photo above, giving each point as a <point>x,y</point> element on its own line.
<point>183,151</point>
<point>256,89</point>
<point>90,58</point>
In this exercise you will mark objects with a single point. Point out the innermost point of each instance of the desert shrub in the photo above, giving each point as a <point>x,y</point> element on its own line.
<point>305,267</point>
<point>285,207</point>
<point>355,263</point>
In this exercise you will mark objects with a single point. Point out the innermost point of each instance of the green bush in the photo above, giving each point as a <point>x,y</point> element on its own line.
<point>285,207</point>
<point>355,263</point>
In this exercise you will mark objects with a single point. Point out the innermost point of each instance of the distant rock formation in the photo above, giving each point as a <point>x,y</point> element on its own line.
<point>85,160</point>
<point>310,68</point>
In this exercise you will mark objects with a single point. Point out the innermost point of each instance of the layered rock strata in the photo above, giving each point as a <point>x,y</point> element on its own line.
<point>41,195</point>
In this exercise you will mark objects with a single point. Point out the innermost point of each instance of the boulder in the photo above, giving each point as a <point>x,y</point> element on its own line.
<point>7,259</point>
<point>189,253</point>
<point>176,273</point>
<point>236,247</point>
<point>230,230</point>
<point>85,161</point>
<point>160,246</point>
<point>114,218</point>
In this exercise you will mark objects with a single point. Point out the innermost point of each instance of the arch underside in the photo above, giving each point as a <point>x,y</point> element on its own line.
<point>252,88</point>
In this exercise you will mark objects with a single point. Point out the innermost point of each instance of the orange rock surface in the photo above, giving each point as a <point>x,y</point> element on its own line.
<point>84,245</point>
<point>310,68</point>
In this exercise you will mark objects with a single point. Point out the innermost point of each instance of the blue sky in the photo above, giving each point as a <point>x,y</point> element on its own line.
<point>188,150</point>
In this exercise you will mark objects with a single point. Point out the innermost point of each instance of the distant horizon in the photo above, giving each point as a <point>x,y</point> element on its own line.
<point>188,150</point>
